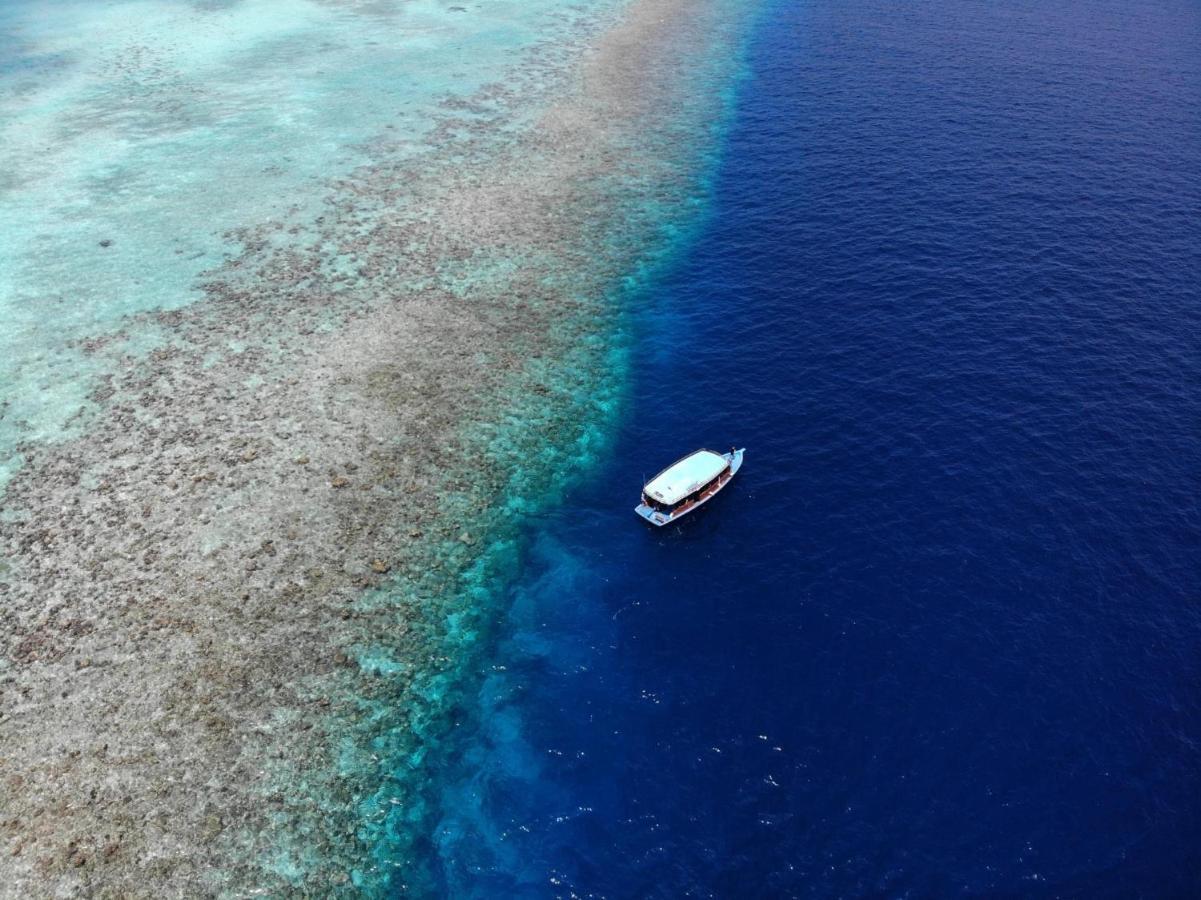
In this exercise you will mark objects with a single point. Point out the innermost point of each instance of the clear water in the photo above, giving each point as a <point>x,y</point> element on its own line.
<point>941,636</point>
<point>138,136</point>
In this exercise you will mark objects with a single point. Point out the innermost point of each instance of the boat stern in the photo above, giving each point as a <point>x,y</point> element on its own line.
<point>656,518</point>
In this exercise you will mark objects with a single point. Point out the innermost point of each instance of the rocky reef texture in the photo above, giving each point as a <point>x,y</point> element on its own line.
<point>240,605</point>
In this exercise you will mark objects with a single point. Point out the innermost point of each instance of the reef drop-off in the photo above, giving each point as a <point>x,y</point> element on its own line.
<point>245,584</point>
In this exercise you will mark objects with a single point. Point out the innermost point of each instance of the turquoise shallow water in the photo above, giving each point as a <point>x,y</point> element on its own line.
<point>137,136</point>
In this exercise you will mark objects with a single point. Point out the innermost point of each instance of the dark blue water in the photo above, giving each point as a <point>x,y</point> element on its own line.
<point>942,636</point>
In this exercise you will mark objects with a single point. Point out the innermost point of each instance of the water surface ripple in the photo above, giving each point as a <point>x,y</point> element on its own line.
<point>942,635</point>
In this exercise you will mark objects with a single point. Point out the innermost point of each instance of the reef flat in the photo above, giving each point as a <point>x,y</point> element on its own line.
<point>242,591</point>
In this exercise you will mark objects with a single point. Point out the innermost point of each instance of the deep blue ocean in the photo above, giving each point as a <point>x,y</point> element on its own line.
<point>942,635</point>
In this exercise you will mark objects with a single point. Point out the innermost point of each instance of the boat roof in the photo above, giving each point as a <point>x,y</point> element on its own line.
<point>684,476</point>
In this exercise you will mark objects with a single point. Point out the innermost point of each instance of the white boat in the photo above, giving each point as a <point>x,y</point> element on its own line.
<point>687,484</point>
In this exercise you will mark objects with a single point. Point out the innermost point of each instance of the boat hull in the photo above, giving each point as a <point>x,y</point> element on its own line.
<point>659,519</point>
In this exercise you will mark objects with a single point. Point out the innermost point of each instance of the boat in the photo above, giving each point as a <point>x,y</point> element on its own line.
<point>687,484</point>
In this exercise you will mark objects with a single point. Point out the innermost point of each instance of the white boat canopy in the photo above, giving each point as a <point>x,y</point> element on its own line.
<point>681,478</point>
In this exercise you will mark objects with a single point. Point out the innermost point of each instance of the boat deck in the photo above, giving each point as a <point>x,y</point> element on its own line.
<point>660,518</point>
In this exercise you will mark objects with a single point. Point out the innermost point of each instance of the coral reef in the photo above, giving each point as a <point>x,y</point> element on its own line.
<point>241,600</point>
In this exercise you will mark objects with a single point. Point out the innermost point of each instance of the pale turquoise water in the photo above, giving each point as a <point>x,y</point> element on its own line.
<point>159,126</point>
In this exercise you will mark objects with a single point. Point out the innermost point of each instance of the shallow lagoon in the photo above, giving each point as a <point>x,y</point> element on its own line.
<point>138,136</point>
